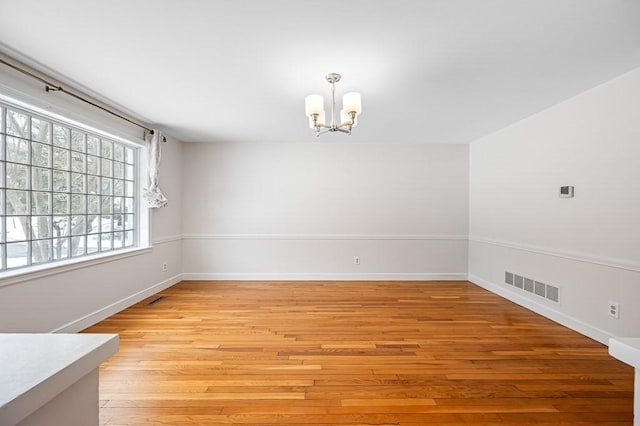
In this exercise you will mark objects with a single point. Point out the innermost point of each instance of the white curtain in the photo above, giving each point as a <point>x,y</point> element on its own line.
<point>153,195</point>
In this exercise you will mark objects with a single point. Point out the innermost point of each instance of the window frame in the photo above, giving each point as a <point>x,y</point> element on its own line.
<point>141,217</point>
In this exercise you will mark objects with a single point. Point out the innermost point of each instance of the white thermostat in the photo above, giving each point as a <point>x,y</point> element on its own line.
<point>566,192</point>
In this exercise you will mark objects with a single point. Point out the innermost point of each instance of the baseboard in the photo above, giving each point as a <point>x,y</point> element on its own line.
<point>544,310</point>
<point>293,276</point>
<point>103,313</point>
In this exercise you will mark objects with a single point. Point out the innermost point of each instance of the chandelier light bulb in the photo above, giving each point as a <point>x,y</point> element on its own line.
<point>351,102</point>
<point>314,104</point>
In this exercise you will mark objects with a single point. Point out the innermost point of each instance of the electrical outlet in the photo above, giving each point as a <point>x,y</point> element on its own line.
<point>356,260</point>
<point>614,309</point>
<point>164,267</point>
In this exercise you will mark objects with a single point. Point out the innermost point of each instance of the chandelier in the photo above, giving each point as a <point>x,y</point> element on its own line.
<point>351,107</point>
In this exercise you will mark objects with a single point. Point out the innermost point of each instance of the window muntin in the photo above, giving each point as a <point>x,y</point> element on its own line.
<point>65,192</point>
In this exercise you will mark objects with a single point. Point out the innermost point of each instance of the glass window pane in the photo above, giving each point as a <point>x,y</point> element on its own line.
<point>77,246</point>
<point>60,248</point>
<point>93,184</point>
<point>60,203</point>
<point>106,224</point>
<point>40,154</point>
<point>41,251</point>
<point>77,204</point>
<point>107,169</point>
<point>117,204</point>
<point>77,162</point>
<point>40,203</point>
<point>128,173</point>
<point>40,227</point>
<point>129,239</point>
<point>128,188</point>
<point>118,240</point>
<point>17,254</point>
<point>17,228</point>
<point>128,155</point>
<point>93,243</point>
<point>118,187</point>
<point>16,202</point>
<point>128,221</point>
<point>78,225</point>
<point>60,181</point>
<point>107,186</point>
<point>61,158</point>
<point>93,224</point>
<point>40,179</point>
<point>17,150</point>
<point>118,170</point>
<point>118,222</point>
<point>118,152</point>
<point>107,149</point>
<point>2,246</point>
<point>107,205</point>
<point>77,183</point>
<point>105,241</point>
<point>128,205</point>
<point>93,145</point>
<point>60,226</point>
<point>93,204</point>
<point>78,141</point>
<point>17,176</point>
<point>40,130</point>
<point>17,124</point>
<point>93,164</point>
<point>60,136</point>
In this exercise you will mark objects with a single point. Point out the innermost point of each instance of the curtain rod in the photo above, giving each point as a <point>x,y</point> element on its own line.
<point>50,87</point>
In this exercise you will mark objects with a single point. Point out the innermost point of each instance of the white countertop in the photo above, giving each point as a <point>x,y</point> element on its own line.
<point>34,368</point>
<point>626,349</point>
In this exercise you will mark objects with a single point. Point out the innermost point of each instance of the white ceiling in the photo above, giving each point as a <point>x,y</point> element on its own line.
<point>429,71</point>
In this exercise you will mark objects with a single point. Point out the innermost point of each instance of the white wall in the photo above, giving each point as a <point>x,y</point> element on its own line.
<point>70,300</point>
<point>588,246</point>
<point>278,211</point>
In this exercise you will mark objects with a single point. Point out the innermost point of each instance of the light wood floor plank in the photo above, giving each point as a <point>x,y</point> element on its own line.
<point>353,353</point>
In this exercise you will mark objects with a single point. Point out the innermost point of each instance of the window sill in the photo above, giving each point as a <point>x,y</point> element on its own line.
<point>40,271</point>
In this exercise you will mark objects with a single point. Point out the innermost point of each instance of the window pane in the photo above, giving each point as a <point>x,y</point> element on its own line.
<point>128,205</point>
<point>107,149</point>
<point>77,246</point>
<point>93,243</point>
<point>2,246</point>
<point>60,248</point>
<point>117,204</point>
<point>128,221</point>
<point>93,145</point>
<point>118,187</point>
<point>40,179</point>
<point>105,240</point>
<point>77,141</point>
<point>107,205</point>
<point>92,164</point>
<point>93,224</point>
<point>60,136</point>
<point>128,172</point>
<point>93,184</point>
<point>107,186</point>
<point>107,169</point>
<point>61,158</point>
<point>17,150</point>
<point>106,224</point>
<point>17,228</point>
<point>16,202</point>
<point>40,154</point>
<point>77,204</point>
<point>60,226</point>
<point>118,152</point>
<point>77,183</point>
<point>93,204</point>
<point>128,155</point>
<point>17,176</point>
<point>40,203</point>
<point>118,170</point>
<point>60,181</point>
<point>40,227</point>
<point>40,130</point>
<point>77,162</point>
<point>129,239</point>
<point>60,203</point>
<point>118,222</point>
<point>118,240</point>
<point>17,254</point>
<point>17,124</point>
<point>128,188</point>
<point>78,225</point>
<point>41,251</point>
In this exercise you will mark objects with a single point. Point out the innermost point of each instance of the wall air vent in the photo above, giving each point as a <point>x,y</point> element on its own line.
<point>538,288</point>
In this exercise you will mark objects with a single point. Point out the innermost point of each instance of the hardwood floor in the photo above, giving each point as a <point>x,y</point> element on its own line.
<point>353,353</point>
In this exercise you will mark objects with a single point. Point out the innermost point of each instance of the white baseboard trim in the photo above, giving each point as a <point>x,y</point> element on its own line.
<point>103,313</point>
<point>544,310</point>
<point>293,276</point>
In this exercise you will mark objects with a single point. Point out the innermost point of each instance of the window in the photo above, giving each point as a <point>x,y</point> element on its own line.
<point>65,192</point>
